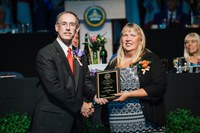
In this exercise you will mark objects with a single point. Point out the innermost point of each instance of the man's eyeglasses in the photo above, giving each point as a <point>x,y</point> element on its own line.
<point>65,24</point>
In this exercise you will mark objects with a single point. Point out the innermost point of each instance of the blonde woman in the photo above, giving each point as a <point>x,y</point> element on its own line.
<point>192,48</point>
<point>139,107</point>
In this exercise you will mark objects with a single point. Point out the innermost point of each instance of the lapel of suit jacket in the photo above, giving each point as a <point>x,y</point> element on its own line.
<point>76,73</point>
<point>63,58</point>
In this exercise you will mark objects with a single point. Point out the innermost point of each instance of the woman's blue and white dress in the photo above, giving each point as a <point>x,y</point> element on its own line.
<point>128,116</point>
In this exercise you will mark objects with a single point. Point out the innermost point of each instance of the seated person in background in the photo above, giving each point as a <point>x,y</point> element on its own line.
<point>172,16</point>
<point>75,40</point>
<point>3,25</point>
<point>192,48</point>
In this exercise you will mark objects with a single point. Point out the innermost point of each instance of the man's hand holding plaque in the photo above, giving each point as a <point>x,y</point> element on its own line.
<point>108,84</point>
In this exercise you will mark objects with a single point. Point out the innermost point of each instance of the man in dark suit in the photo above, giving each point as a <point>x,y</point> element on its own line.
<point>61,88</point>
<point>171,16</point>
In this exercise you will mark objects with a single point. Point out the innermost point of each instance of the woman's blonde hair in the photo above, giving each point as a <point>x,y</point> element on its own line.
<point>130,27</point>
<point>197,38</point>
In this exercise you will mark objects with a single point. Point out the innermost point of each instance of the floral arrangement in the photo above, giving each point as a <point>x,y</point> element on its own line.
<point>78,53</point>
<point>144,65</point>
<point>93,72</point>
<point>97,41</point>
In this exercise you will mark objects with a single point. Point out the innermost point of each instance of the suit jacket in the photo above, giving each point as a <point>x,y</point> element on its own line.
<point>181,18</point>
<point>60,94</point>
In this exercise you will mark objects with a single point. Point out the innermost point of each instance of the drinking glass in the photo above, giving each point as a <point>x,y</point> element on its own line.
<point>176,62</point>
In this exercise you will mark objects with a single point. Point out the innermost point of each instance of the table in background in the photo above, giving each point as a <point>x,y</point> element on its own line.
<point>17,94</point>
<point>183,91</point>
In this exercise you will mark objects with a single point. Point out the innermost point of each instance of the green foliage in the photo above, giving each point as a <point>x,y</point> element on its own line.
<point>92,127</point>
<point>97,41</point>
<point>182,121</point>
<point>15,122</point>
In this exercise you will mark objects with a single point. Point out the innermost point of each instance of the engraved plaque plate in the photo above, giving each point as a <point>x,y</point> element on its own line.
<point>108,84</point>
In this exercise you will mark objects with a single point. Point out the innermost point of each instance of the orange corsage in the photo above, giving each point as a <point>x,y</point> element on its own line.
<point>144,66</point>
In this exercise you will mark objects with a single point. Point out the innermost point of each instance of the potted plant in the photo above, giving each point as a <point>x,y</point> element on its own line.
<point>182,121</point>
<point>15,122</point>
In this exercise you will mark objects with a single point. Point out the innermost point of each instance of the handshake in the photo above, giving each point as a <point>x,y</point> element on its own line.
<point>87,108</point>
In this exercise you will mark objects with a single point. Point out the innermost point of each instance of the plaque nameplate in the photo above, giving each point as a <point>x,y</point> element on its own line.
<point>108,84</point>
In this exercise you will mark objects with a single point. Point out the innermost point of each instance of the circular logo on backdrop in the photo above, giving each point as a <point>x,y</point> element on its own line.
<point>95,16</point>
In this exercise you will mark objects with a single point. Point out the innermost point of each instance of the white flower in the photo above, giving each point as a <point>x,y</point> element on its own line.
<point>78,59</point>
<point>145,69</point>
